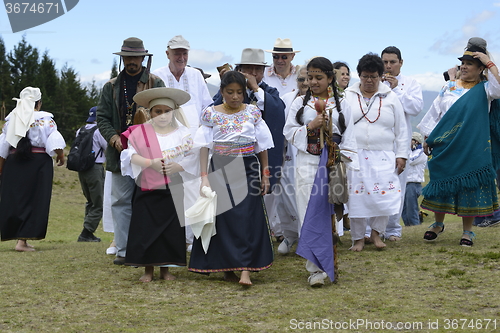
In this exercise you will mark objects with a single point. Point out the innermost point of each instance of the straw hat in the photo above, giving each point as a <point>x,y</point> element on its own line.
<point>282,46</point>
<point>170,97</point>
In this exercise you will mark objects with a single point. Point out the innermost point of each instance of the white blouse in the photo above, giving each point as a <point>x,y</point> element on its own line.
<point>296,133</point>
<point>243,127</point>
<point>175,146</point>
<point>42,133</point>
<point>448,95</point>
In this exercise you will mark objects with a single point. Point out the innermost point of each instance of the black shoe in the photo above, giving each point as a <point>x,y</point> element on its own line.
<point>87,236</point>
<point>119,260</point>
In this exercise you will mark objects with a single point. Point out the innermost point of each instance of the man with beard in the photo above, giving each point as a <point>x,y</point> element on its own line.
<point>116,111</point>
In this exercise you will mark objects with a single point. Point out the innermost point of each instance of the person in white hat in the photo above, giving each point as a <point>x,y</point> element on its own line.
<point>116,111</point>
<point>28,141</point>
<point>156,155</point>
<point>282,74</point>
<point>180,76</point>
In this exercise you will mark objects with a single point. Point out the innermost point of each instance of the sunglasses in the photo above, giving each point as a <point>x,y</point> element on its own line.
<point>284,57</point>
<point>301,79</point>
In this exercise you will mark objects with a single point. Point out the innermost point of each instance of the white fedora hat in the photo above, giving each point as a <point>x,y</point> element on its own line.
<point>251,56</point>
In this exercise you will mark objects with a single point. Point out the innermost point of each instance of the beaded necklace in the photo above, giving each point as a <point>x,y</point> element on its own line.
<point>468,84</point>
<point>230,109</point>
<point>369,107</point>
<point>130,107</point>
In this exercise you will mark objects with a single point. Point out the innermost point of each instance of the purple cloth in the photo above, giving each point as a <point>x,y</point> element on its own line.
<point>316,242</point>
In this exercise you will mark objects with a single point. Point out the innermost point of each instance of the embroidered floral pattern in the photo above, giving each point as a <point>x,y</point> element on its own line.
<point>231,123</point>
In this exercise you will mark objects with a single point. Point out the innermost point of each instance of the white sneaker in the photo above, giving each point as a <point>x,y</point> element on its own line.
<point>317,279</point>
<point>285,246</point>
<point>111,250</point>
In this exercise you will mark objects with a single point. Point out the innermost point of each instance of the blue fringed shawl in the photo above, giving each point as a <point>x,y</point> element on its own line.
<point>463,151</point>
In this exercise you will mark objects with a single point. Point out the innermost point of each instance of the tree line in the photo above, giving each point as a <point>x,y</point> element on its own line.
<point>63,94</point>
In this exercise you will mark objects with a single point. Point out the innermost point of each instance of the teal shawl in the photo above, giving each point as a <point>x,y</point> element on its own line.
<point>462,156</point>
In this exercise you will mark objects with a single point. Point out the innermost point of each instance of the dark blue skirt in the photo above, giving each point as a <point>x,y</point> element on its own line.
<point>243,241</point>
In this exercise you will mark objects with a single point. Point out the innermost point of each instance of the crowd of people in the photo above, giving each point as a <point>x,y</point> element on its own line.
<point>277,150</point>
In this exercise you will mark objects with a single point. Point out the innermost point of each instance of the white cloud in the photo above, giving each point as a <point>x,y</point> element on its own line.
<point>100,79</point>
<point>453,42</point>
<point>208,59</point>
<point>430,81</point>
<point>497,4</point>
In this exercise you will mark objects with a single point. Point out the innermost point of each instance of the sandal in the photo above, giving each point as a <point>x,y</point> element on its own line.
<point>431,235</point>
<point>468,242</point>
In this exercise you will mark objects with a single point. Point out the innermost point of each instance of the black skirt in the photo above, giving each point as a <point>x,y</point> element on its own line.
<point>243,241</point>
<point>156,236</point>
<point>25,194</point>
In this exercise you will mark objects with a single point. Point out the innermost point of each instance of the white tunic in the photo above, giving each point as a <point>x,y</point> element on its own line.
<point>192,82</point>
<point>42,133</point>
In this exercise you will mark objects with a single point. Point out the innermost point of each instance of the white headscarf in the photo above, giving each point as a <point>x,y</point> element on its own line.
<point>23,115</point>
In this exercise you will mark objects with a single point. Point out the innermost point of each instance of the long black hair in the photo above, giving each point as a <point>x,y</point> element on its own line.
<point>326,67</point>
<point>234,77</point>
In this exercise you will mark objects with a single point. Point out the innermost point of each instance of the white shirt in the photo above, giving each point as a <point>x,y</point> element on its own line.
<point>448,95</point>
<point>386,129</point>
<point>192,82</point>
<point>42,133</point>
<point>409,93</point>
<point>415,166</point>
<point>284,85</point>
<point>98,143</point>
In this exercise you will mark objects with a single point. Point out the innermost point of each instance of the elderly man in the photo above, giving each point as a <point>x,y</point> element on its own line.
<point>282,74</point>
<point>409,93</point>
<point>180,76</point>
<point>116,111</point>
<point>267,99</point>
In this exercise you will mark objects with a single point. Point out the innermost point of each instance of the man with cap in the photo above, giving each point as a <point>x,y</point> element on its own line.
<point>92,182</point>
<point>409,94</point>
<point>282,74</point>
<point>267,99</point>
<point>180,76</point>
<point>115,113</point>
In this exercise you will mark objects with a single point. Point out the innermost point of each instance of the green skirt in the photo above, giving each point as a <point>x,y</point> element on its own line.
<point>481,201</point>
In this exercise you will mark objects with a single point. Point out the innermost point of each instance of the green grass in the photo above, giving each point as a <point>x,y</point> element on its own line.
<point>73,287</point>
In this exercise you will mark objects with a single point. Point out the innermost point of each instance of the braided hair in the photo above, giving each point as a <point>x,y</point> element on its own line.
<point>326,67</point>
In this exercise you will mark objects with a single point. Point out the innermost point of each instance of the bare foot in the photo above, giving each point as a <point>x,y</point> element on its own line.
<point>148,274</point>
<point>379,244</point>
<point>368,240</point>
<point>22,246</point>
<point>358,245</point>
<point>165,274</point>
<point>230,277</point>
<point>393,238</point>
<point>245,278</point>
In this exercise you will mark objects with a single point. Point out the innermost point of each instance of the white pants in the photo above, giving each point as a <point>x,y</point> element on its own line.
<point>358,226</point>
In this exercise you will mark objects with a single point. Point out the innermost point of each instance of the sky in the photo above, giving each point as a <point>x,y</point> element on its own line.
<point>430,34</point>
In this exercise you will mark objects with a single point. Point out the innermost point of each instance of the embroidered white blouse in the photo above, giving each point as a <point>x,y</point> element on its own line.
<point>42,133</point>
<point>448,95</point>
<point>176,147</point>
<point>243,127</point>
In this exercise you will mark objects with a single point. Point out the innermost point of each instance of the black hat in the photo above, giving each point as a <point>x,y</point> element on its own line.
<point>469,53</point>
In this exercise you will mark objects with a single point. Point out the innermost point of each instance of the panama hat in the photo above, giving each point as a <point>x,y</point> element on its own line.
<point>282,46</point>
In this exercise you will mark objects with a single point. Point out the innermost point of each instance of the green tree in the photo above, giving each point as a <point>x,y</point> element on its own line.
<point>6,91</point>
<point>114,70</point>
<point>23,65</point>
<point>48,82</point>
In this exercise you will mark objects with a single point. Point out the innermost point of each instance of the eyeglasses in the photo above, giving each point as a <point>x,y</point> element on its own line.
<point>301,79</point>
<point>366,77</point>
<point>284,57</point>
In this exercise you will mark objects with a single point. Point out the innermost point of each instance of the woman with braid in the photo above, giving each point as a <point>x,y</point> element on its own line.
<point>302,129</point>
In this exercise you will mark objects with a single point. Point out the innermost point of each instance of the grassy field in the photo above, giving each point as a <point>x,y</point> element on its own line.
<point>425,287</point>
